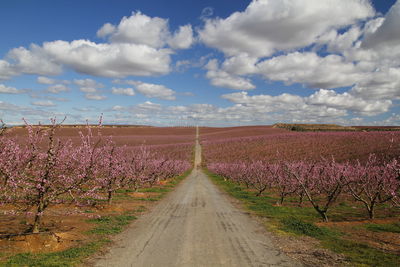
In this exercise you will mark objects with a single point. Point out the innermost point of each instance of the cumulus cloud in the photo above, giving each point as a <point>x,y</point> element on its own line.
<point>381,84</point>
<point>324,103</point>
<point>206,12</point>
<point>9,108</point>
<point>110,60</point>
<point>267,26</point>
<point>141,29</point>
<point>6,70</point>
<point>150,90</point>
<point>138,46</point>
<point>155,90</point>
<point>183,38</point>
<point>123,91</point>
<point>149,106</point>
<point>10,90</point>
<point>47,103</point>
<point>97,97</point>
<point>224,79</point>
<point>387,34</point>
<point>138,29</point>
<point>382,42</point>
<point>117,108</point>
<point>34,60</point>
<point>88,85</point>
<point>57,88</point>
<point>308,68</point>
<point>45,80</point>
<point>106,30</point>
<point>347,101</point>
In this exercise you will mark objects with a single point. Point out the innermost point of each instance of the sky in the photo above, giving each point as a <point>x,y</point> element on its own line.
<point>212,63</point>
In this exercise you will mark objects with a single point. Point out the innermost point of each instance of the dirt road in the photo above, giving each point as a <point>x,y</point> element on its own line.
<point>196,225</point>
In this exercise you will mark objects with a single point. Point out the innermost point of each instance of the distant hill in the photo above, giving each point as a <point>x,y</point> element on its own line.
<point>332,127</point>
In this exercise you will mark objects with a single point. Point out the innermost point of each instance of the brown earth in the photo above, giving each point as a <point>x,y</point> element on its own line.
<point>385,241</point>
<point>64,226</point>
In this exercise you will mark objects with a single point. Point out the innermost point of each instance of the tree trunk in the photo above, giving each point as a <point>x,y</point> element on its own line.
<point>109,197</point>
<point>371,211</point>
<point>38,218</point>
<point>282,199</point>
<point>301,199</point>
<point>323,214</point>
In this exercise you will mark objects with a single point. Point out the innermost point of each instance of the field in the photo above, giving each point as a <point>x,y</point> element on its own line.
<point>340,188</point>
<point>132,168</point>
<point>331,197</point>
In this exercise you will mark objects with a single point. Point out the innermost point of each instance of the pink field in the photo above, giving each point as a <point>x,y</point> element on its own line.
<point>271,144</point>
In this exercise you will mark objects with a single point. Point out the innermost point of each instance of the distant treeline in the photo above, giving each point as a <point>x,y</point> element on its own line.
<point>332,127</point>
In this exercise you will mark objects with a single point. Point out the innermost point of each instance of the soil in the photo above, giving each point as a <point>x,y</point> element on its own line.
<point>60,232</point>
<point>303,249</point>
<point>354,230</point>
<point>196,225</point>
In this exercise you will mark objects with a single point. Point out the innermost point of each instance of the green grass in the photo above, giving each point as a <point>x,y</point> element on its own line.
<point>300,221</point>
<point>109,225</point>
<point>389,227</point>
<point>154,190</point>
<point>69,257</point>
<point>105,227</point>
<point>149,198</point>
<point>361,254</point>
<point>300,227</point>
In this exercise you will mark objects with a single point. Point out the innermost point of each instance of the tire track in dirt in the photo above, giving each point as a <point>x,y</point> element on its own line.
<point>196,225</point>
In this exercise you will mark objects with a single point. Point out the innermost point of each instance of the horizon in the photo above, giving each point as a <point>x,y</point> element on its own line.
<point>208,63</point>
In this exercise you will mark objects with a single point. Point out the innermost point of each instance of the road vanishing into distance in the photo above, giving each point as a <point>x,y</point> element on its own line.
<point>195,225</point>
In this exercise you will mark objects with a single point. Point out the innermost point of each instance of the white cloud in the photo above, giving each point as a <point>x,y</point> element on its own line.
<point>152,90</point>
<point>150,106</point>
<point>220,78</point>
<point>88,85</point>
<point>47,103</point>
<point>267,26</point>
<point>387,34</point>
<point>106,30</point>
<point>57,88</point>
<point>381,84</point>
<point>347,101</point>
<point>117,108</point>
<point>241,64</point>
<point>206,12</point>
<point>323,103</point>
<point>9,108</point>
<point>139,29</point>
<point>10,90</point>
<point>137,46</point>
<point>183,38</point>
<point>91,96</point>
<point>6,70</point>
<point>394,119</point>
<point>383,41</point>
<point>340,42</point>
<point>110,60</point>
<point>34,60</point>
<point>45,80</point>
<point>308,68</point>
<point>123,91</point>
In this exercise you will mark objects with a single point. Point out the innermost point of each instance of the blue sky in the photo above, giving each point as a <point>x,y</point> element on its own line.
<point>201,62</point>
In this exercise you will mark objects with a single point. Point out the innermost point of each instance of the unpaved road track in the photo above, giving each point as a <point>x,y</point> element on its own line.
<point>195,225</point>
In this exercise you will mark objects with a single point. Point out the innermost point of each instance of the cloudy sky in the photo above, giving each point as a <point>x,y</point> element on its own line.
<point>219,62</point>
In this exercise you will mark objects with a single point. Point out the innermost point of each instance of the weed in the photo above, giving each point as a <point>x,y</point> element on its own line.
<point>300,221</point>
<point>389,227</point>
